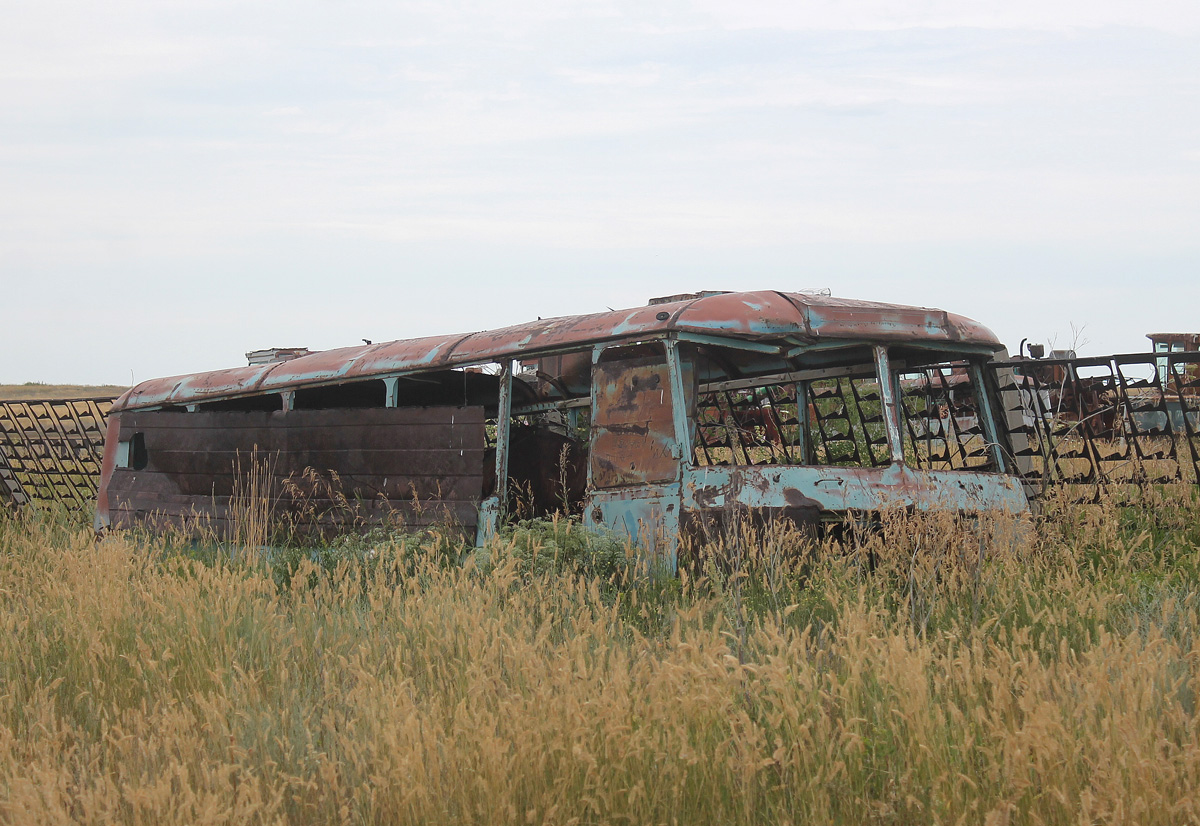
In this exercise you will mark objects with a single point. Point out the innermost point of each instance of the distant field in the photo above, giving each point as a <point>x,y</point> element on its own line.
<point>37,390</point>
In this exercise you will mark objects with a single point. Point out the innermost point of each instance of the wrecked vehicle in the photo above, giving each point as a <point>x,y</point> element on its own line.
<point>656,421</point>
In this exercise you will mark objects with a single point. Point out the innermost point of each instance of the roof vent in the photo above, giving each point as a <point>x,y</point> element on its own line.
<point>274,354</point>
<point>671,299</point>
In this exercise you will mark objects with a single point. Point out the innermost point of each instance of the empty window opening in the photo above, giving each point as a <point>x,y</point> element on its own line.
<point>564,376</point>
<point>470,387</point>
<point>265,402</point>
<point>547,463</point>
<point>942,427</point>
<point>840,423</point>
<point>848,426</point>
<point>131,453</point>
<point>353,395</point>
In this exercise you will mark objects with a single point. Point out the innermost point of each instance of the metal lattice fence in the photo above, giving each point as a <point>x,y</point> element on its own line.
<point>51,450</point>
<point>1105,423</point>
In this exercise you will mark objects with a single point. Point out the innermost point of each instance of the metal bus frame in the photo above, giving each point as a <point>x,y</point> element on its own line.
<point>670,417</point>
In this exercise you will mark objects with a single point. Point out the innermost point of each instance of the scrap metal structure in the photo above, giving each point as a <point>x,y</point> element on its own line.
<point>663,421</point>
<point>660,421</point>
<point>51,451</point>
<point>1107,424</point>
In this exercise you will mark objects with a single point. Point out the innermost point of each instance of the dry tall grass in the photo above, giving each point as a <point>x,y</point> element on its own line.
<point>39,390</point>
<point>921,672</point>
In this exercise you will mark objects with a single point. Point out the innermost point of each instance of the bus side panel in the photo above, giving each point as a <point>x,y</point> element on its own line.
<point>420,466</point>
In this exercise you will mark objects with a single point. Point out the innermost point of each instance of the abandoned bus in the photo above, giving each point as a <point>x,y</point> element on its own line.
<point>655,421</point>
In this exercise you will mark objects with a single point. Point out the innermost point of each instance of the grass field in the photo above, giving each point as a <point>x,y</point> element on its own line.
<point>922,671</point>
<point>38,390</point>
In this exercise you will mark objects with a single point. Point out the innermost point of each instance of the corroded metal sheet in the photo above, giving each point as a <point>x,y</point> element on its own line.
<point>51,450</point>
<point>402,356</point>
<point>184,389</point>
<point>870,322</point>
<point>317,368</point>
<point>633,429</point>
<point>841,489</point>
<point>755,314</point>
<point>559,332</point>
<point>649,515</point>
<point>766,315</point>
<point>420,465</point>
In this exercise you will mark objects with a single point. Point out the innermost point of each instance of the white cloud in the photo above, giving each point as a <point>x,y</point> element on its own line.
<point>200,149</point>
<point>1165,15</point>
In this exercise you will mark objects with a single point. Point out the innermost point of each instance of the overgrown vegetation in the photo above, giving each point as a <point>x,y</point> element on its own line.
<point>920,669</point>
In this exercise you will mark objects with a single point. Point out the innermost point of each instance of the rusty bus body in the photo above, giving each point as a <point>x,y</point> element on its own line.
<point>654,421</point>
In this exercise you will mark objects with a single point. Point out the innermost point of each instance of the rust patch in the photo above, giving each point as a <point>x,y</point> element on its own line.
<point>796,499</point>
<point>707,497</point>
<point>633,432</point>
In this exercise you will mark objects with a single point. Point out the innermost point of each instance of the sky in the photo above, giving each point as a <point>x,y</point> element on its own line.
<point>182,182</point>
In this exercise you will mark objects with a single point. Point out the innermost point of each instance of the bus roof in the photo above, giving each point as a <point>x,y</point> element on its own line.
<point>788,319</point>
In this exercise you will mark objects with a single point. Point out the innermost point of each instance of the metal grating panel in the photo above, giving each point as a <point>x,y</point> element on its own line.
<point>1106,423</point>
<point>51,450</point>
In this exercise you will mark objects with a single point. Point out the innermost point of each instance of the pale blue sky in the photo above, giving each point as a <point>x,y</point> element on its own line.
<point>183,182</point>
